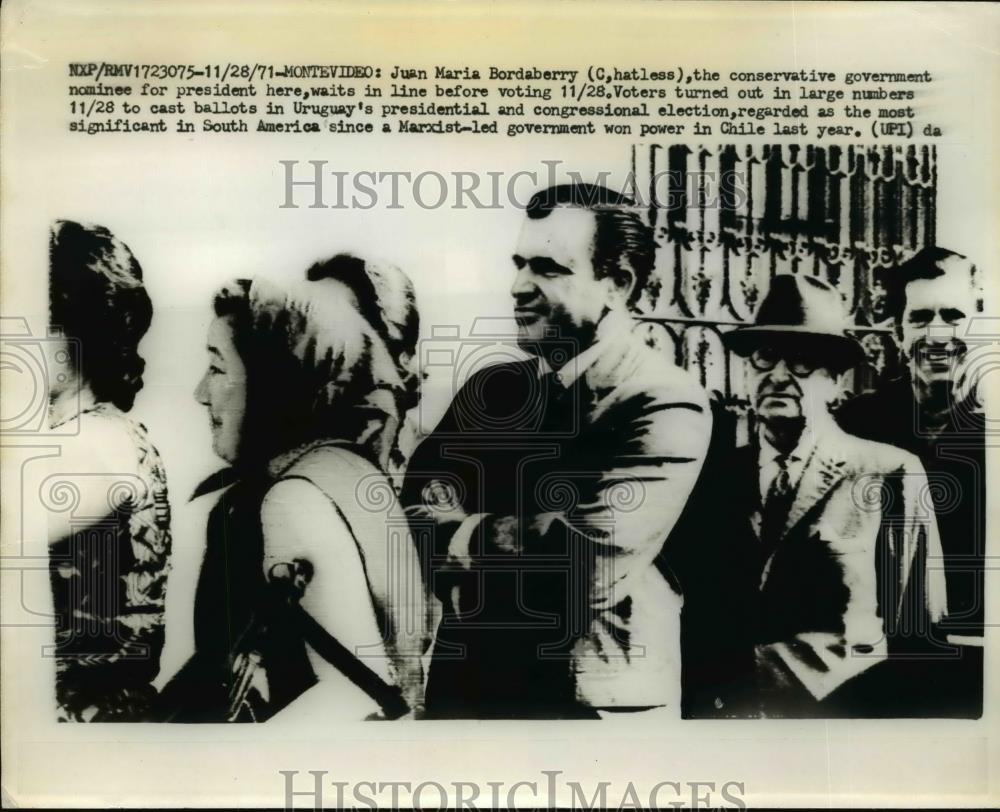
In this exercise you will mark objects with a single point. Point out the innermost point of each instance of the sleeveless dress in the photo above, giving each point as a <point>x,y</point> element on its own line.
<point>108,586</point>
<point>365,499</point>
<point>250,662</point>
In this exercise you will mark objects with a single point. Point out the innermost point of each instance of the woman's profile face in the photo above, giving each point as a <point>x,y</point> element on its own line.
<point>223,390</point>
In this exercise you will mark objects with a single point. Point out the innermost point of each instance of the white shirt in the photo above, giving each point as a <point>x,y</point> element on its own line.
<point>614,321</point>
<point>768,467</point>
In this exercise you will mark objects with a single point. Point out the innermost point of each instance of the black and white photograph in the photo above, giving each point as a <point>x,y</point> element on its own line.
<point>582,406</point>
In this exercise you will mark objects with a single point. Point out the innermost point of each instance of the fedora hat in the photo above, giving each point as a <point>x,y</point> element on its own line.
<point>803,312</point>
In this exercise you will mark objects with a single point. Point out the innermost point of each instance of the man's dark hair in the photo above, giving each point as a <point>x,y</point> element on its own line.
<point>624,246</point>
<point>927,263</point>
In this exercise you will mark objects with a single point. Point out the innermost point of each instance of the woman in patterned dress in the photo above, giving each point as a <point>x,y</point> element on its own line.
<point>109,521</point>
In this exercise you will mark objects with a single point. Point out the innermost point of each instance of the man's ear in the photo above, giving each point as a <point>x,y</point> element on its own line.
<point>901,348</point>
<point>623,285</point>
<point>841,389</point>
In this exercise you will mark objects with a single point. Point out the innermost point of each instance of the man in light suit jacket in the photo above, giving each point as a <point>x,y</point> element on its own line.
<point>549,487</point>
<point>850,560</point>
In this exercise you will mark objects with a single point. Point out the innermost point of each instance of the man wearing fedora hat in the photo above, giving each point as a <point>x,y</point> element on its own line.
<point>841,539</point>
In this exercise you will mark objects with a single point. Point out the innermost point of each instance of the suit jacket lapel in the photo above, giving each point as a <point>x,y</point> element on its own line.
<point>824,469</point>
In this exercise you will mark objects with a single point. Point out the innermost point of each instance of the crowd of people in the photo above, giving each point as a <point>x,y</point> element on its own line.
<point>577,537</point>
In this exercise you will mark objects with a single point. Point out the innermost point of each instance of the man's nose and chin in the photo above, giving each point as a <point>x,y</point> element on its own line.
<point>938,357</point>
<point>781,398</point>
<point>529,308</point>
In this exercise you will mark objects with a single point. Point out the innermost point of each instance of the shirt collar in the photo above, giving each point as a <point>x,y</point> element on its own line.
<point>768,453</point>
<point>569,373</point>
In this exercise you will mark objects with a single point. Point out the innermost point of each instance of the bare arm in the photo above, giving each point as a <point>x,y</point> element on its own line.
<point>299,522</point>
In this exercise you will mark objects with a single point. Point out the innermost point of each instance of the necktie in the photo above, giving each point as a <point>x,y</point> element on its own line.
<point>777,503</point>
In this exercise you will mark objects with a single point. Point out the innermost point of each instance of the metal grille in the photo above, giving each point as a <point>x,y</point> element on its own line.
<point>729,218</point>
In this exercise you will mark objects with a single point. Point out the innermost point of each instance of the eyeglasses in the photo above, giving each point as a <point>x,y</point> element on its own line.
<point>766,359</point>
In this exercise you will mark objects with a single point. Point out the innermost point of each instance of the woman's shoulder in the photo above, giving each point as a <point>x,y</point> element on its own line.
<point>325,456</point>
<point>355,489</point>
<point>105,442</point>
<point>298,521</point>
<point>102,457</point>
<point>295,503</point>
<point>341,473</point>
<point>295,495</point>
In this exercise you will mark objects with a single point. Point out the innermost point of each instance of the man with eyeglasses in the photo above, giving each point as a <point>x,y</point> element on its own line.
<point>840,537</point>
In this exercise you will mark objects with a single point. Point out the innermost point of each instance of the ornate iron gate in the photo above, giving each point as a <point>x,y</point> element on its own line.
<point>729,218</point>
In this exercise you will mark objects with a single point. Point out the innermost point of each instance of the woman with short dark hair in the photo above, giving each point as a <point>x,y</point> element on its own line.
<point>109,528</point>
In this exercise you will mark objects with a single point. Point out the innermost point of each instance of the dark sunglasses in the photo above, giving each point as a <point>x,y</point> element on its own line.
<point>766,358</point>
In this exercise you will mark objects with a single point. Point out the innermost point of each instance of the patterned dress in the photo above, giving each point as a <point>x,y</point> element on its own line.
<point>108,584</point>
